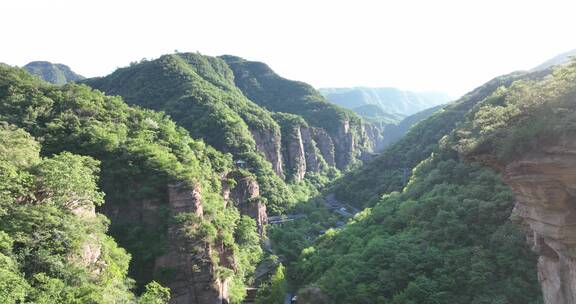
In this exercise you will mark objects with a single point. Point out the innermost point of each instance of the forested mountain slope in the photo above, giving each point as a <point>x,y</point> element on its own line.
<point>173,202</point>
<point>390,170</point>
<point>447,236</point>
<point>528,132</point>
<point>204,95</point>
<point>55,73</point>
<point>259,83</point>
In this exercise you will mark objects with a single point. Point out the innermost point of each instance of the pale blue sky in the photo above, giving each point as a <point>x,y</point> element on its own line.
<point>442,45</point>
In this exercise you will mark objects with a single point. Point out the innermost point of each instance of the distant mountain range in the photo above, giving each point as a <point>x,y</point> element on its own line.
<point>55,73</point>
<point>560,59</point>
<point>390,100</point>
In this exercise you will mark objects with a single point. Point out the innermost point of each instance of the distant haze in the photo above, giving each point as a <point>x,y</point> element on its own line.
<point>390,100</point>
<point>446,45</point>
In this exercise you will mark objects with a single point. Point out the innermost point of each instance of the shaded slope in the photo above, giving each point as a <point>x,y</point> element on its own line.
<point>259,83</point>
<point>55,73</point>
<point>198,92</point>
<point>447,237</point>
<point>387,172</point>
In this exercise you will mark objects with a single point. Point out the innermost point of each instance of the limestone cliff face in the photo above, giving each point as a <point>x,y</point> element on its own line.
<point>246,197</point>
<point>544,183</point>
<point>375,134</point>
<point>268,143</point>
<point>193,278</point>
<point>325,145</point>
<point>301,152</point>
<point>314,160</point>
<point>295,154</point>
<point>345,145</point>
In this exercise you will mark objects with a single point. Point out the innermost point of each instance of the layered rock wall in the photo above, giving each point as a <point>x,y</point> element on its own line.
<point>269,144</point>
<point>544,184</point>
<point>246,197</point>
<point>193,278</point>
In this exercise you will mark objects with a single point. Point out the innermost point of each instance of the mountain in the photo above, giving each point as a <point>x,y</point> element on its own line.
<point>527,133</point>
<point>373,113</point>
<point>55,73</point>
<point>557,60</point>
<point>436,210</point>
<point>284,130</point>
<point>384,133</point>
<point>259,83</point>
<point>154,185</point>
<point>385,173</point>
<point>390,100</point>
<point>82,170</point>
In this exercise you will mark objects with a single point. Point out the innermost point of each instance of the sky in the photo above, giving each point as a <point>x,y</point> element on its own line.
<point>440,45</point>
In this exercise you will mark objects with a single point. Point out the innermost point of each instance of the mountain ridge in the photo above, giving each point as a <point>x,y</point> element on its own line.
<point>55,73</point>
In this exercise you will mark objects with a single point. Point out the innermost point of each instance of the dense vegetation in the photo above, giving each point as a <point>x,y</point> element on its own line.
<point>52,72</point>
<point>447,236</point>
<point>47,230</point>
<point>259,83</point>
<point>388,172</point>
<point>199,93</point>
<point>140,153</point>
<point>445,239</point>
<point>522,117</point>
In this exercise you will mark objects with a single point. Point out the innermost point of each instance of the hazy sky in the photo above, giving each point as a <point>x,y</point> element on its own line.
<point>450,46</point>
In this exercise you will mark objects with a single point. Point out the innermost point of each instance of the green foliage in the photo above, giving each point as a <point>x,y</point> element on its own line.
<point>446,238</point>
<point>46,226</point>
<point>53,73</point>
<point>140,153</point>
<point>274,291</point>
<point>13,286</point>
<point>386,173</point>
<point>69,181</point>
<point>451,219</point>
<point>522,117</point>
<point>18,147</point>
<point>199,93</point>
<point>259,83</point>
<point>155,294</point>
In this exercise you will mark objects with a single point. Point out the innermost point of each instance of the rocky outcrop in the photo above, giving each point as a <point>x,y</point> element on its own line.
<point>295,155</point>
<point>246,197</point>
<point>344,144</point>
<point>544,184</point>
<point>188,258</point>
<point>314,160</point>
<point>91,248</point>
<point>375,133</point>
<point>325,145</point>
<point>269,143</point>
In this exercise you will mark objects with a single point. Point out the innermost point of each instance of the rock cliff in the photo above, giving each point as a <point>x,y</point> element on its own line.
<point>325,145</point>
<point>189,258</point>
<point>301,152</point>
<point>91,249</point>
<point>314,160</point>
<point>295,155</point>
<point>245,195</point>
<point>269,144</point>
<point>345,146</point>
<point>544,183</point>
